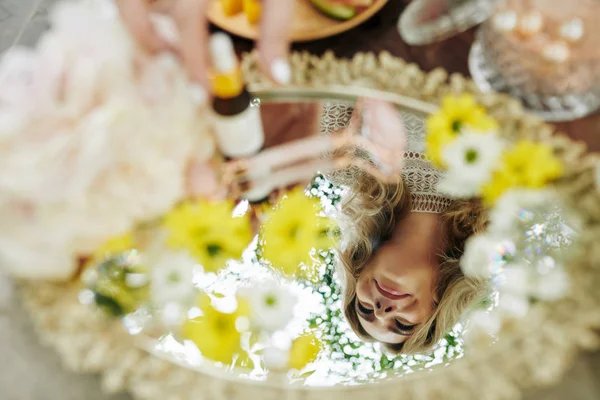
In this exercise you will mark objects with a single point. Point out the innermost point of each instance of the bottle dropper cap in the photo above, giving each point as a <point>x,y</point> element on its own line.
<point>222,53</point>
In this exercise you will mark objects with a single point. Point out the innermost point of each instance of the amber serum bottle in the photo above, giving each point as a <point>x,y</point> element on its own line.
<point>237,123</point>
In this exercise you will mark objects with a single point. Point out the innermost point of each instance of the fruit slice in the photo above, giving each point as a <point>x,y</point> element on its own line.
<point>252,9</point>
<point>231,7</point>
<point>334,10</point>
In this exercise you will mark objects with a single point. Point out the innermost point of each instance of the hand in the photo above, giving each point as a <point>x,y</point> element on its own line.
<point>190,18</point>
<point>283,123</point>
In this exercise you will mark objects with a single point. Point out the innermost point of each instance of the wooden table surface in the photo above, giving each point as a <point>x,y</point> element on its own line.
<point>380,33</point>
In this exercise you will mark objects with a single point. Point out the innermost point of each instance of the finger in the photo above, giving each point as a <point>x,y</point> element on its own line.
<point>274,40</point>
<point>190,16</point>
<point>203,181</point>
<point>135,14</point>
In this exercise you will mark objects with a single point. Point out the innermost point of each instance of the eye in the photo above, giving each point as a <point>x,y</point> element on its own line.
<point>363,309</point>
<point>404,328</point>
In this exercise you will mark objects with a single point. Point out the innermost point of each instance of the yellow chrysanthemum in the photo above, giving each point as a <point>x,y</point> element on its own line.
<point>434,145</point>
<point>209,232</point>
<point>114,246</point>
<point>216,333</point>
<point>305,350</point>
<point>527,164</point>
<point>456,113</point>
<point>292,230</point>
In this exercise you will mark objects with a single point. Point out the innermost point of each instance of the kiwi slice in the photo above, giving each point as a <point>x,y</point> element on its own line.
<point>334,10</point>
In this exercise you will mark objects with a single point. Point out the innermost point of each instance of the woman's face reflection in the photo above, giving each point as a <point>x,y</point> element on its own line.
<point>395,293</point>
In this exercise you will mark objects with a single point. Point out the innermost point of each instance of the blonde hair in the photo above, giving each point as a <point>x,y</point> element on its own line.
<point>369,213</point>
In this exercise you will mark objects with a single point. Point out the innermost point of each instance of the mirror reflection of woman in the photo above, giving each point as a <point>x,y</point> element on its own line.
<point>402,242</point>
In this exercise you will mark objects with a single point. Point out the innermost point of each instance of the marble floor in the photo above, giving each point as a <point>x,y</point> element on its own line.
<point>30,371</point>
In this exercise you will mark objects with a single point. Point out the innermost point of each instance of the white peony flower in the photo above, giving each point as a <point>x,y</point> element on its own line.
<point>471,159</point>
<point>90,126</point>
<point>272,305</point>
<point>479,255</point>
<point>172,278</point>
<point>551,286</point>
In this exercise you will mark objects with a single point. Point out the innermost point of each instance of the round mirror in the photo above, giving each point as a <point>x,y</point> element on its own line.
<point>347,273</point>
<point>296,279</point>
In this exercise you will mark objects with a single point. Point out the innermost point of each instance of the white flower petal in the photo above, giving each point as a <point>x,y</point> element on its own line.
<point>456,187</point>
<point>172,278</point>
<point>275,358</point>
<point>472,157</point>
<point>272,305</point>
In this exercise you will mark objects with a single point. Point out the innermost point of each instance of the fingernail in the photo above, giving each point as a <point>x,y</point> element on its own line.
<point>280,69</point>
<point>198,94</point>
<point>165,28</point>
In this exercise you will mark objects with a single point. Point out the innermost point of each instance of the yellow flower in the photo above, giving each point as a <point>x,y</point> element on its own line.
<point>527,164</point>
<point>209,232</point>
<point>434,145</point>
<point>216,333</point>
<point>455,114</point>
<point>114,285</point>
<point>114,246</point>
<point>305,350</point>
<point>292,230</point>
<point>502,180</point>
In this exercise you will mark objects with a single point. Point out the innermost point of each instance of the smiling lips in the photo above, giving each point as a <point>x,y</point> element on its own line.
<point>388,292</point>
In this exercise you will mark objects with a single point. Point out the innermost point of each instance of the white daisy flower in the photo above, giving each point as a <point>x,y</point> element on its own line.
<point>272,305</point>
<point>172,278</point>
<point>478,258</point>
<point>456,187</point>
<point>471,159</point>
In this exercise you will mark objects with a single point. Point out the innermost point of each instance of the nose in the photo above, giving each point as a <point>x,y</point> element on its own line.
<point>383,307</point>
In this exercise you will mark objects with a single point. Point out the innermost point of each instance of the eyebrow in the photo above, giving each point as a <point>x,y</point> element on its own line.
<point>393,329</point>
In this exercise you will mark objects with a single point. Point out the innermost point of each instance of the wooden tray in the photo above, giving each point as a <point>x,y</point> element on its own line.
<point>308,24</point>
